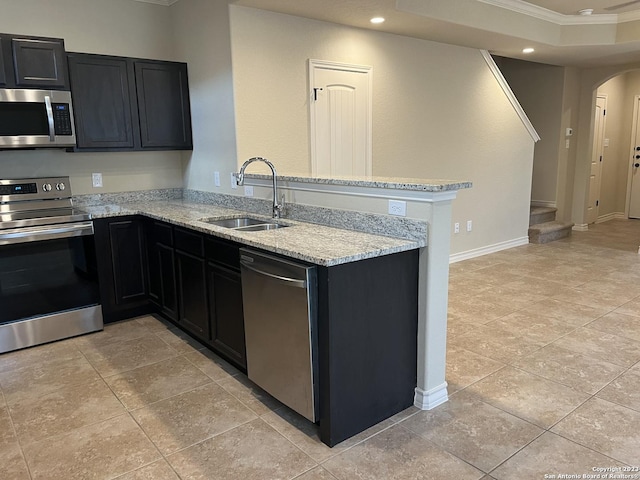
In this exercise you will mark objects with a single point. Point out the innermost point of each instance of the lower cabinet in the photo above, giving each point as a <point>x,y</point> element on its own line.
<point>194,281</point>
<point>121,259</point>
<point>192,292</point>
<point>225,301</point>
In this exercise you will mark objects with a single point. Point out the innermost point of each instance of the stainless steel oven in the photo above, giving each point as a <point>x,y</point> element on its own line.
<point>48,275</point>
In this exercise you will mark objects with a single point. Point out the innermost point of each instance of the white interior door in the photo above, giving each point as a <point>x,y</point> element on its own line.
<point>340,118</point>
<point>596,159</point>
<point>634,195</point>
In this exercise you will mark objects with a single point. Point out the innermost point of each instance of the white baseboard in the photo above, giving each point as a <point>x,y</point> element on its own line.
<point>583,227</point>
<point>496,247</point>
<point>543,203</point>
<point>611,216</point>
<point>426,400</point>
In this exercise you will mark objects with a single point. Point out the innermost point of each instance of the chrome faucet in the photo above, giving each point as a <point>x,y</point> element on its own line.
<point>277,207</point>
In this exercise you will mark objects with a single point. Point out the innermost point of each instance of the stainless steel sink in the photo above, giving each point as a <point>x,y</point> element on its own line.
<point>234,222</point>
<point>260,227</point>
<point>244,224</point>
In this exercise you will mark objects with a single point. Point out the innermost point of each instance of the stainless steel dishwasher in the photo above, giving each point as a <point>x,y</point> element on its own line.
<point>280,302</point>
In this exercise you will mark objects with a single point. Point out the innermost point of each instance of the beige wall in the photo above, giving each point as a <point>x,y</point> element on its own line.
<point>567,156</point>
<point>438,113</point>
<point>539,89</point>
<point>115,27</point>
<point>590,80</point>
<point>202,39</point>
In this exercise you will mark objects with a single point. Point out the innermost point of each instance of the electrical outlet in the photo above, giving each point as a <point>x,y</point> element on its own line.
<point>398,207</point>
<point>216,178</point>
<point>234,183</point>
<point>469,225</point>
<point>248,191</point>
<point>96,180</point>
<point>456,228</point>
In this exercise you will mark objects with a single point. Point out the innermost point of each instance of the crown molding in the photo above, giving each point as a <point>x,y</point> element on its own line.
<point>165,3</point>
<point>541,13</point>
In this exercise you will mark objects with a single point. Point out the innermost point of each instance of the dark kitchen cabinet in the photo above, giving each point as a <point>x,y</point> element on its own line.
<point>3,70</point>
<point>121,258</point>
<point>163,105</point>
<point>33,62</point>
<point>39,62</point>
<point>367,342</point>
<point>162,271</point>
<point>130,104</point>
<point>225,300</point>
<point>192,283</point>
<point>102,93</point>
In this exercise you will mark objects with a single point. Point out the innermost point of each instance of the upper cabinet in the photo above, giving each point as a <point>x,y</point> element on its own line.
<point>130,104</point>
<point>103,107</point>
<point>3,71</point>
<point>32,62</point>
<point>163,105</point>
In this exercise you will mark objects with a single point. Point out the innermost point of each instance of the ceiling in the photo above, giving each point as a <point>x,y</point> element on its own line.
<point>554,28</point>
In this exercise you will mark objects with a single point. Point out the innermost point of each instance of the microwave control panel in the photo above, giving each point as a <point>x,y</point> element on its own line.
<point>62,118</point>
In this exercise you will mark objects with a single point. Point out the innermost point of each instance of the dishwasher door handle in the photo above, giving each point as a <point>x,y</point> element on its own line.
<point>292,282</point>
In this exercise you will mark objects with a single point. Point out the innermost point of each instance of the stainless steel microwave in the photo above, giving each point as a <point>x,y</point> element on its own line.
<point>36,118</point>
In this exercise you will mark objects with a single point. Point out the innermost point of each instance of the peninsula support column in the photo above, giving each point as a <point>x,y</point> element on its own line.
<point>433,284</point>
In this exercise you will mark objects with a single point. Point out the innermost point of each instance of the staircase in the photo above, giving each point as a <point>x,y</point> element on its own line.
<point>543,227</point>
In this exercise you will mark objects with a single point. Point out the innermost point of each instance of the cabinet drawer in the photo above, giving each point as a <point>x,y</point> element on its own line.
<point>225,253</point>
<point>188,241</point>
<point>163,233</point>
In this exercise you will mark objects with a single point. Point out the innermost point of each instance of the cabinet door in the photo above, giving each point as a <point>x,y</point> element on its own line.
<point>163,105</point>
<point>101,88</point>
<point>169,293</point>
<point>3,71</point>
<point>192,291</point>
<point>39,62</point>
<point>127,250</point>
<point>225,312</point>
<point>122,267</point>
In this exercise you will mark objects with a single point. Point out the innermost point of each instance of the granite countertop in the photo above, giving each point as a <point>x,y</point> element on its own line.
<point>396,183</point>
<point>318,244</point>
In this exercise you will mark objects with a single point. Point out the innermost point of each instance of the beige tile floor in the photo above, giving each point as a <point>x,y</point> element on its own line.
<point>543,372</point>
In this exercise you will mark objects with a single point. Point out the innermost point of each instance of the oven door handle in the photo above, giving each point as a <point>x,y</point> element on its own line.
<point>38,234</point>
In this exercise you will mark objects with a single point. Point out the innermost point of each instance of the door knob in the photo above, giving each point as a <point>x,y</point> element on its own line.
<point>636,164</point>
<point>637,148</point>
<point>638,156</point>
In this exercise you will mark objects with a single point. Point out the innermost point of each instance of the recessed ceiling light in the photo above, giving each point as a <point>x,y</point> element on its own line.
<point>377,20</point>
<point>586,11</point>
<point>528,50</point>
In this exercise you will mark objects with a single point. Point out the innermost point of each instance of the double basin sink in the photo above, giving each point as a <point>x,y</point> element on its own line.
<point>244,224</point>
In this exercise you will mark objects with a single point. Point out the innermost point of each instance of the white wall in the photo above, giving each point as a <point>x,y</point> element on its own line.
<point>438,113</point>
<point>114,27</point>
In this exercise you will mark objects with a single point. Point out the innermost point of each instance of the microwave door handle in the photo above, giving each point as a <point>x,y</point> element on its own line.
<point>52,129</point>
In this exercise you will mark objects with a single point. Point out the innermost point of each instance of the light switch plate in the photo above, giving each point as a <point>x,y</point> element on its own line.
<point>216,178</point>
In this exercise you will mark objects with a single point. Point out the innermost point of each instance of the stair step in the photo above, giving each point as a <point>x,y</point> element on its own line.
<point>549,231</point>
<point>539,215</point>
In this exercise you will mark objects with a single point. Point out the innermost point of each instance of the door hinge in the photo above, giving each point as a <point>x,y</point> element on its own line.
<point>597,203</point>
<point>604,112</point>
<point>600,157</point>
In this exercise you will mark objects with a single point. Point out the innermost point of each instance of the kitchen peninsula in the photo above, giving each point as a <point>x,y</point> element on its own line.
<point>369,255</point>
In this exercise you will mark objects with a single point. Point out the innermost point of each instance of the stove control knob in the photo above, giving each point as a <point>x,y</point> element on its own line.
<point>60,186</point>
<point>46,187</point>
